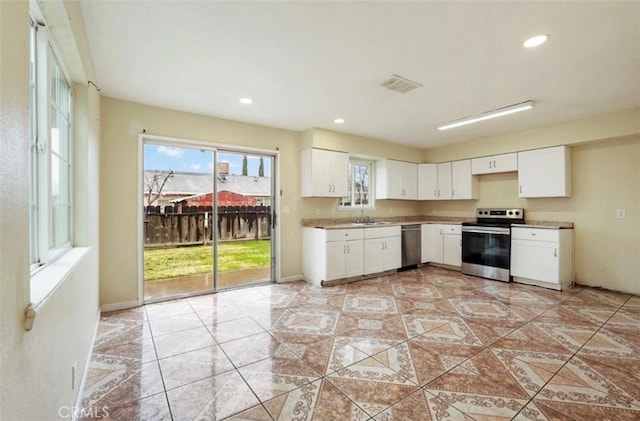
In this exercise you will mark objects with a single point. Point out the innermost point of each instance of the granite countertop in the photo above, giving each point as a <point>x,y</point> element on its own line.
<point>342,223</point>
<point>545,225</point>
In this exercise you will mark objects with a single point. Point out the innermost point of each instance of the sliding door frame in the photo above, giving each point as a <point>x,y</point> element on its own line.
<point>144,138</point>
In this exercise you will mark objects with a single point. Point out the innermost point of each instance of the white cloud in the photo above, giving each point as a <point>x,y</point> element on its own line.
<point>172,152</point>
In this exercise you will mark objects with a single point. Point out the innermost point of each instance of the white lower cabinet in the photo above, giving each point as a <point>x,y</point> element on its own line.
<point>542,257</point>
<point>382,249</point>
<point>452,245</point>
<point>441,243</point>
<point>344,259</point>
<point>330,254</point>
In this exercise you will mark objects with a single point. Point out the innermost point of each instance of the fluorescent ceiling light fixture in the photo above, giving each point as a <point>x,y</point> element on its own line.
<point>498,112</point>
<point>339,120</point>
<point>535,41</point>
<point>246,101</point>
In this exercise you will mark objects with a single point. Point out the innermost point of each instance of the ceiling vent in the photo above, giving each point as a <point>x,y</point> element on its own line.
<point>400,84</point>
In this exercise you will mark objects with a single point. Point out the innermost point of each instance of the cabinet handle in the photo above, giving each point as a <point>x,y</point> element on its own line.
<point>435,193</point>
<point>533,234</point>
<point>348,250</point>
<point>490,164</point>
<point>520,188</point>
<point>555,252</point>
<point>438,192</point>
<point>494,163</point>
<point>453,192</point>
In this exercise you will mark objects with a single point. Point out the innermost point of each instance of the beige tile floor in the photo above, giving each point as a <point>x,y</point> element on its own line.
<point>426,344</point>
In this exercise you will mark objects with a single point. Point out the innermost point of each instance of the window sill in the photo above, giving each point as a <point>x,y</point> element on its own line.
<point>50,277</point>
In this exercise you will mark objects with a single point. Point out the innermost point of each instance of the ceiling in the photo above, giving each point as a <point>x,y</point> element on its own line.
<point>306,63</point>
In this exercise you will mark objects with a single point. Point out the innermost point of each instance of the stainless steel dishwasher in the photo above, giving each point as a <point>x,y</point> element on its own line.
<point>411,250</point>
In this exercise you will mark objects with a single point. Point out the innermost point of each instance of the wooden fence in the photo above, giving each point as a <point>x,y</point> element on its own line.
<point>192,225</point>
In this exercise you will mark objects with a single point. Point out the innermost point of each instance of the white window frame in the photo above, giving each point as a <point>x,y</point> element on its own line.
<point>352,205</point>
<point>42,249</point>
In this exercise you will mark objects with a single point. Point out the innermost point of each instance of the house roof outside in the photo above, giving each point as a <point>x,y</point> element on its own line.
<point>192,184</point>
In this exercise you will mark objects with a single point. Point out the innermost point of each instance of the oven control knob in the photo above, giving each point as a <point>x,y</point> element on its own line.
<point>517,213</point>
<point>510,213</point>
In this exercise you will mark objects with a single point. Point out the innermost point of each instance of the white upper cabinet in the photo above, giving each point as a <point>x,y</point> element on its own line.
<point>507,162</point>
<point>396,180</point>
<point>324,173</point>
<point>444,181</point>
<point>545,172</point>
<point>427,181</point>
<point>463,184</point>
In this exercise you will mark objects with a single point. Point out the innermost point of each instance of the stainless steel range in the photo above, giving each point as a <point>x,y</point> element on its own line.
<point>486,243</point>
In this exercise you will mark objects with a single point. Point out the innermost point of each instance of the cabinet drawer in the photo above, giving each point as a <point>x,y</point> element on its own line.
<point>452,229</point>
<point>345,234</point>
<point>379,232</point>
<point>535,234</point>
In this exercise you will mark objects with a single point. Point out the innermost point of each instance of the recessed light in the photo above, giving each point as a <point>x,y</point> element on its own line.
<point>536,41</point>
<point>339,120</point>
<point>246,100</point>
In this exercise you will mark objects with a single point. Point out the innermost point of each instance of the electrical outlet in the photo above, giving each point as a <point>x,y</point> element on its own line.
<point>621,213</point>
<point>74,379</point>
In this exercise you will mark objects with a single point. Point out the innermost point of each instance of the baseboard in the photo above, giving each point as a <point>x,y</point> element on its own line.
<point>78,404</point>
<point>119,306</point>
<point>291,278</point>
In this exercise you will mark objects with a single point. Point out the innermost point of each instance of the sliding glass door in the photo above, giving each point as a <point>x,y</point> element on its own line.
<point>207,218</point>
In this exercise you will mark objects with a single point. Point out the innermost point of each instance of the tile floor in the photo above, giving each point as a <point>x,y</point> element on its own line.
<point>426,344</point>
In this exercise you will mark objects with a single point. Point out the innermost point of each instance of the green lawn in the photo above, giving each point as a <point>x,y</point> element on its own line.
<point>181,261</point>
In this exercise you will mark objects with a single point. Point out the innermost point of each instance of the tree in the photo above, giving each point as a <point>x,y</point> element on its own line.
<point>261,168</point>
<point>245,165</point>
<point>154,183</point>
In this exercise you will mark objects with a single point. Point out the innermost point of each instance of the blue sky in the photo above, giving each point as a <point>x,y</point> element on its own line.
<point>158,157</point>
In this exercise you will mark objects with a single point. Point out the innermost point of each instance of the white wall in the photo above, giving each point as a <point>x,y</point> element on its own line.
<point>605,153</point>
<point>35,366</point>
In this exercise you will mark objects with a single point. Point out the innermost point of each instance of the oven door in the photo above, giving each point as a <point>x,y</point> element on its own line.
<point>486,252</point>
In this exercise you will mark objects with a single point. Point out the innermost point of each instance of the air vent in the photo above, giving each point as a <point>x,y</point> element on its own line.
<point>400,84</point>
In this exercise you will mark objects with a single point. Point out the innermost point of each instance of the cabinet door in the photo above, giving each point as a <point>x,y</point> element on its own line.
<point>452,250</point>
<point>392,247</point>
<point>354,258</point>
<point>336,252</point>
<point>507,162</point>
<point>463,184</point>
<point>482,165</point>
<point>373,255</point>
<point>431,244</point>
<point>545,172</point>
<point>427,181</point>
<point>444,181</point>
<point>324,173</point>
<point>410,181</point>
<point>535,260</point>
<point>339,174</point>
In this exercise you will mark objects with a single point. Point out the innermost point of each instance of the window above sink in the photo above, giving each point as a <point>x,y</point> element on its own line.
<point>360,186</point>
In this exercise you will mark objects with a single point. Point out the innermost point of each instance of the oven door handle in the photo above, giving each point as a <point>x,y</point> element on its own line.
<point>499,231</point>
